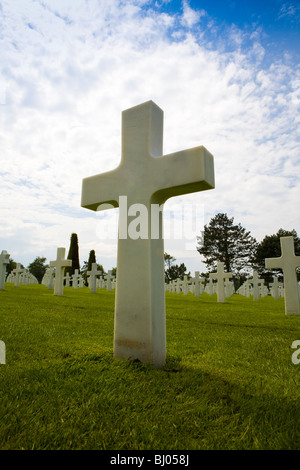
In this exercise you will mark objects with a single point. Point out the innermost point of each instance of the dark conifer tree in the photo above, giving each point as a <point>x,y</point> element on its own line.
<point>73,255</point>
<point>91,260</point>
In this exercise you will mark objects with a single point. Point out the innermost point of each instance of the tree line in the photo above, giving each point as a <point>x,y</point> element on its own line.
<point>228,242</point>
<point>39,266</point>
<point>221,240</point>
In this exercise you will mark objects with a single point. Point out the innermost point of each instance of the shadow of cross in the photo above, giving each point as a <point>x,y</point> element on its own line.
<point>141,183</point>
<point>288,262</point>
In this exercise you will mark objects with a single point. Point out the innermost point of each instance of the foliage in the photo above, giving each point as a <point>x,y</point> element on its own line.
<point>227,242</point>
<point>269,247</point>
<point>173,272</point>
<point>38,268</point>
<point>10,266</point>
<point>73,255</point>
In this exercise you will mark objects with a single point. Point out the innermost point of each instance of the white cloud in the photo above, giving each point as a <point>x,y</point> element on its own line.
<point>290,10</point>
<point>191,17</point>
<point>68,76</point>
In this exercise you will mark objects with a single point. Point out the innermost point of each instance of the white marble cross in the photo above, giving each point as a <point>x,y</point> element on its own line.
<point>93,278</point>
<point>18,271</point>
<point>59,264</point>
<point>4,260</point>
<point>274,288</point>
<point>51,278</point>
<point>67,279</point>
<point>288,262</point>
<point>143,181</point>
<point>198,281</point>
<point>256,281</point>
<point>75,279</point>
<point>108,279</point>
<point>220,275</point>
<point>185,285</point>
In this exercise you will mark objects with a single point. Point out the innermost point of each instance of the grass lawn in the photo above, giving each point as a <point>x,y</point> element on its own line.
<point>229,381</point>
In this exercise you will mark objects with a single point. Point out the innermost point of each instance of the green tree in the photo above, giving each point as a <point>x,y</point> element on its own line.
<point>73,255</point>
<point>88,265</point>
<point>10,266</point>
<point>38,268</point>
<point>270,247</point>
<point>173,272</point>
<point>230,243</point>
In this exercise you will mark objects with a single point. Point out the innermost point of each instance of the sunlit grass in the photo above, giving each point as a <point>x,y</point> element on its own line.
<point>229,382</point>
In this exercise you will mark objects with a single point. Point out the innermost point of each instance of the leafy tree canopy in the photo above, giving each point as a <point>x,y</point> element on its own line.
<point>230,243</point>
<point>38,268</point>
<point>270,247</point>
<point>173,272</point>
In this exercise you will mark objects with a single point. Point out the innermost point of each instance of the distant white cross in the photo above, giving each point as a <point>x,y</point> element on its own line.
<point>185,285</point>
<point>256,281</point>
<point>274,287</point>
<point>93,278</point>
<point>18,271</point>
<point>220,275</point>
<point>198,281</point>
<point>109,279</point>
<point>141,183</point>
<point>4,260</point>
<point>288,262</point>
<point>67,279</point>
<point>75,279</point>
<point>59,264</point>
<point>51,278</point>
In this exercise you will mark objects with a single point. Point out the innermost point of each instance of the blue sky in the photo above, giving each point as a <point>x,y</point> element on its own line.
<point>278,20</point>
<point>225,73</point>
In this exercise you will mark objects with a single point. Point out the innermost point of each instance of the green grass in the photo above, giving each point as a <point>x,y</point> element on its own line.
<point>229,382</point>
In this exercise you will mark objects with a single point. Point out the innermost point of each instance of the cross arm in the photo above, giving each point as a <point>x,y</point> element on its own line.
<point>103,188</point>
<point>183,172</point>
<point>273,263</point>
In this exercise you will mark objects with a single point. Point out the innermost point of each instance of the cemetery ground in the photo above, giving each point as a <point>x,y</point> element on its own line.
<point>229,381</point>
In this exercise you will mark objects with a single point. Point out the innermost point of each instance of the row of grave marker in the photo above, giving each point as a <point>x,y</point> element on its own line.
<point>77,279</point>
<point>254,287</point>
<point>288,262</point>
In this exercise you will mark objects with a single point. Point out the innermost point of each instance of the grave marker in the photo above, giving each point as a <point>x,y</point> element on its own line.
<point>59,264</point>
<point>142,182</point>
<point>197,282</point>
<point>4,260</point>
<point>109,279</point>
<point>220,275</point>
<point>256,281</point>
<point>288,262</point>
<point>17,272</point>
<point>185,285</point>
<point>93,278</point>
<point>75,279</point>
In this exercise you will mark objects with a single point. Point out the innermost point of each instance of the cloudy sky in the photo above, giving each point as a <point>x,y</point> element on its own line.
<point>226,74</point>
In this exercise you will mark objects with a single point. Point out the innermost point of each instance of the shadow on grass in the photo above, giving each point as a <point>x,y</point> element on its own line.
<point>95,401</point>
